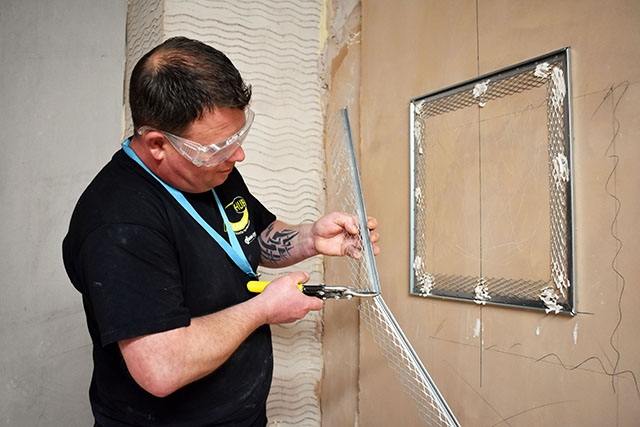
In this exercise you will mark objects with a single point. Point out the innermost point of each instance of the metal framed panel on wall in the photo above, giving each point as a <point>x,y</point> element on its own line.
<point>491,188</point>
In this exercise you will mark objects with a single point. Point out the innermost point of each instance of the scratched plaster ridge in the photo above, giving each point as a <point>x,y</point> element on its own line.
<point>144,31</point>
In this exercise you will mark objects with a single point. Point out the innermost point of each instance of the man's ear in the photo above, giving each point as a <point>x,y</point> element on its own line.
<point>155,143</point>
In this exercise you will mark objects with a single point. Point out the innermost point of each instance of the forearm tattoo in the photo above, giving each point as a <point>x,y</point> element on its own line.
<point>276,245</point>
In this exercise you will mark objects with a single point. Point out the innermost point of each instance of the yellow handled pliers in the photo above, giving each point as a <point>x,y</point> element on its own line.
<point>321,290</point>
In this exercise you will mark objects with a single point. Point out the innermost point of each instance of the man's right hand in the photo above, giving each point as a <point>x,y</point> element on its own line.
<point>283,302</point>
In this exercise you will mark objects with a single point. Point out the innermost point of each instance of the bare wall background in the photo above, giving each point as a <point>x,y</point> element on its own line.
<point>61,63</point>
<point>497,366</point>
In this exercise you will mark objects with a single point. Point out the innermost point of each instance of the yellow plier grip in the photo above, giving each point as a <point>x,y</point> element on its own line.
<point>257,286</point>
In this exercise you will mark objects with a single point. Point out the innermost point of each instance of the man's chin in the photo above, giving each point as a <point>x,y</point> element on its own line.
<point>220,177</point>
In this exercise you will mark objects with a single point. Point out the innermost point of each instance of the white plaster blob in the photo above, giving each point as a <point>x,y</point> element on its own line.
<point>477,328</point>
<point>418,196</point>
<point>481,292</point>
<point>550,299</point>
<point>558,88</point>
<point>479,90</point>
<point>425,280</point>
<point>426,283</point>
<point>542,70</point>
<point>417,264</point>
<point>560,170</point>
<point>575,333</point>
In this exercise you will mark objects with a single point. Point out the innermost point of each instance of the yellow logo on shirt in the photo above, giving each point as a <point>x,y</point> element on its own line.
<point>238,225</point>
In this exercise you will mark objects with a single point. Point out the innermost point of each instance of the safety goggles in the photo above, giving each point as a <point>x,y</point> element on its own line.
<point>207,155</point>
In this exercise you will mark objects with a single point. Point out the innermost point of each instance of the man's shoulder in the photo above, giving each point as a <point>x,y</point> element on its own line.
<point>120,192</point>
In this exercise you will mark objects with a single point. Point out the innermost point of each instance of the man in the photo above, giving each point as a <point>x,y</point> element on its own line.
<point>163,242</point>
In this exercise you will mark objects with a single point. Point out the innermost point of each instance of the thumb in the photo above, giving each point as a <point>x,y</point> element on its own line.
<point>299,277</point>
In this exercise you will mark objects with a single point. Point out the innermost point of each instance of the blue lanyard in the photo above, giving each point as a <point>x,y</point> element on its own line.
<point>233,250</point>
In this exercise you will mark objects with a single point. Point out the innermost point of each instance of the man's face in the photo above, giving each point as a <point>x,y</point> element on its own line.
<point>215,127</point>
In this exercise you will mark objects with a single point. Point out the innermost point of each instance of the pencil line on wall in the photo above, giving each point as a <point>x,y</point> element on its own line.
<point>614,94</point>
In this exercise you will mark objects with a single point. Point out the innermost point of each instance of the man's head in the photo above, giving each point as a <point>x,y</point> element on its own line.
<point>179,81</point>
<point>190,114</point>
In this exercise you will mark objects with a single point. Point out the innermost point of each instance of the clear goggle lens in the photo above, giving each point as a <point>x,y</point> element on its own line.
<point>207,155</point>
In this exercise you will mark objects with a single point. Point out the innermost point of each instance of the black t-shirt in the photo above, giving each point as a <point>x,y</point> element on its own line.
<point>144,265</point>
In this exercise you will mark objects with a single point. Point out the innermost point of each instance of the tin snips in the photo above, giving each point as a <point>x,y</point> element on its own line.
<point>321,290</point>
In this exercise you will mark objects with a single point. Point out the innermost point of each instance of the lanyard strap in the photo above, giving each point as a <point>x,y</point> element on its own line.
<point>233,250</point>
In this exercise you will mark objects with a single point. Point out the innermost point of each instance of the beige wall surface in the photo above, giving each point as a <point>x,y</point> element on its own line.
<point>60,115</point>
<point>501,366</point>
<point>341,61</point>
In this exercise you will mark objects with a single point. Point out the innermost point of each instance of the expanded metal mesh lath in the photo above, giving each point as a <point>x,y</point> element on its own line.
<point>550,71</point>
<point>343,184</point>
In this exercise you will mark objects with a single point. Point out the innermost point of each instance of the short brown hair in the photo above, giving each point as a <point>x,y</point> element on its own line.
<point>178,81</point>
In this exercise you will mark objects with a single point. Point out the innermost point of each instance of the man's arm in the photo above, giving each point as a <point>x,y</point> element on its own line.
<point>164,362</point>
<point>335,234</point>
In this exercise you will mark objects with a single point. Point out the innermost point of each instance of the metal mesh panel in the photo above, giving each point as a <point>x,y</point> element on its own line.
<point>558,181</point>
<point>497,87</point>
<point>552,293</point>
<point>343,184</point>
<point>503,290</point>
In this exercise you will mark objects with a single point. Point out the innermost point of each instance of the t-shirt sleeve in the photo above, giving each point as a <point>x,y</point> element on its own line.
<point>133,281</point>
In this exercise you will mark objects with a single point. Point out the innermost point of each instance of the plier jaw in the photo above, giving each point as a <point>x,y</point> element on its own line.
<point>336,292</point>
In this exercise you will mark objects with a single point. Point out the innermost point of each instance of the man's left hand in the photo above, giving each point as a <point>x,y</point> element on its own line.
<point>338,234</point>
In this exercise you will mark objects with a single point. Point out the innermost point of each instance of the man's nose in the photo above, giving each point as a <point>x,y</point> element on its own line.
<point>238,155</point>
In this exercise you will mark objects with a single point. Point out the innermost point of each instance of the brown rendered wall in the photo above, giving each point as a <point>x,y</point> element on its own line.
<point>340,339</point>
<point>523,368</point>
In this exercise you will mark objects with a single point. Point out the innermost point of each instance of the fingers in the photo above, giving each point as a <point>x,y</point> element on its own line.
<point>351,225</point>
<point>374,237</point>
<point>336,223</point>
<point>346,222</point>
<point>338,234</point>
<point>283,300</point>
<point>315,303</point>
<point>376,250</point>
<point>352,247</point>
<point>372,223</point>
